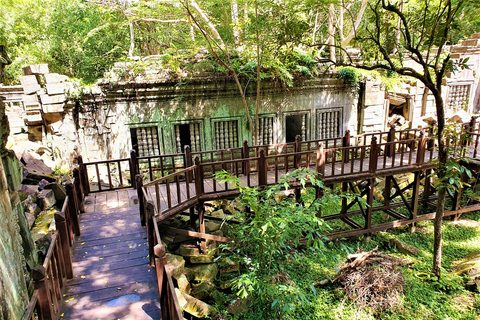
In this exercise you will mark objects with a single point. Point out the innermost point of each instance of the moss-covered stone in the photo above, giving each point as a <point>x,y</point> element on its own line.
<point>199,308</point>
<point>175,264</point>
<point>202,272</point>
<point>203,290</point>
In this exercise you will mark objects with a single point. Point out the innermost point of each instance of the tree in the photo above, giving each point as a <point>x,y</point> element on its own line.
<point>425,27</point>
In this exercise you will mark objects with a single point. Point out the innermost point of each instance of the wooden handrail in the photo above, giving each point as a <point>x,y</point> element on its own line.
<point>50,277</point>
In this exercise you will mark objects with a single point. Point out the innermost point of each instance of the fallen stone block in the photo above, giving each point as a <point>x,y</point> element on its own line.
<point>198,308</point>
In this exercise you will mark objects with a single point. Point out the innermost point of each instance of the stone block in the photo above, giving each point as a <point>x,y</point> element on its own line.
<point>470,42</point>
<point>203,290</point>
<point>26,191</point>
<point>175,265</point>
<point>181,299</point>
<point>53,78</point>
<point>53,108</point>
<point>30,99</point>
<point>30,218</point>
<point>212,226</point>
<point>46,199</point>
<point>183,284</point>
<point>202,272</point>
<point>201,258</point>
<point>31,88</point>
<point>36,69</point>
<point>52,99</point>
<point>188,250</point>
<point>28,80</point>
<point>198,308</point>
<point>218,214</point>
<point>55,88</point>
<point>459,49</point>
<point>476,36</point>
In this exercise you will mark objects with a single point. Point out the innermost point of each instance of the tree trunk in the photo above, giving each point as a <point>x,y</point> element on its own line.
<point>236,31</point>
<point>331,32</point>
<point>441,172</point>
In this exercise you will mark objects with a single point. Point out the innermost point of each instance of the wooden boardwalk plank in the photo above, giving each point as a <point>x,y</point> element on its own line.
<point>113,279</point>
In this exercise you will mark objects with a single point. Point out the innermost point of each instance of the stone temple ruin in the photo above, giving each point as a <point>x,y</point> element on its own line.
<point>51,121</point>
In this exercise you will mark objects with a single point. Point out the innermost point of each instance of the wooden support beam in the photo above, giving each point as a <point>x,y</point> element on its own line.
<point>352,223</point>
<point>395,214</point>
<point>368,218</point>
<point>415,194</point>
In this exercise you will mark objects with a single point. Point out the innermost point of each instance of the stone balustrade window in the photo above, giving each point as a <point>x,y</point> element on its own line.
<point>225,134</point>
<point>145,141</point>
<point>458,97</point>
<point>329,123</point>
<point>265,130</point>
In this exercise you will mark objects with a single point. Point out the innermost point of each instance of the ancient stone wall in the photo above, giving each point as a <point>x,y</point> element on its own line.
<point>17,251</point>
<point>209,114</point>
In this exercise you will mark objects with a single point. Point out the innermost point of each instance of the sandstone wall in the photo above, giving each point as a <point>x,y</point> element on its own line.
<point>111,110</point>
<point>17,251</point>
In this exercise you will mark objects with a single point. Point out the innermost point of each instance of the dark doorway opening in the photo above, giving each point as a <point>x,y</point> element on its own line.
<point>184,134</point>
<point>294,125</point>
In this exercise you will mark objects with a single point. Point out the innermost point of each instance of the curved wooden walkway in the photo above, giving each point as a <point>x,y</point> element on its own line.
<point>113,278</point>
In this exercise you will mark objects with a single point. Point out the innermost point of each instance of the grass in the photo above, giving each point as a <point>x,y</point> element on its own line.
<point>424,297</point>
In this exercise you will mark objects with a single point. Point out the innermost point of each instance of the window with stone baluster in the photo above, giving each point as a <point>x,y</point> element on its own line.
<point>265,129</point>
<point>458,97</point>
<point>145,141</point>
<point>329,123</point>
<point>225,134</point>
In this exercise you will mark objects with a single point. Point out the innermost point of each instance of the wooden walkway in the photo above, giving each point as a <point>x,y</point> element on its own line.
<point>113,279</point>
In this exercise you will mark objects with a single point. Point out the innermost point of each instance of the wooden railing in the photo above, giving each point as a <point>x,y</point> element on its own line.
<point>169,304</point>
<point>50,277</point>
<point>120,173</point>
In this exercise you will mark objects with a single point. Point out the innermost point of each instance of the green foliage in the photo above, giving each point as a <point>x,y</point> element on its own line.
<point>271,237</point>
<point>349,75</point>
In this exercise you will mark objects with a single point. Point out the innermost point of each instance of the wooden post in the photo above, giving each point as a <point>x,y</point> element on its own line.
<point>168,300</point>
<point>198,177</point>
<point>346,143</point>
<point>386,195</point>
<point>262,168</point>
<point>78,193</point>
<point>415,196</point>
<point>160,263</point>
<point>133,168</point>
<point>188,161</point>
<point>344,199</point>
<point>201,225</point>
<point>61,226</point>
<point>320,163</point>
<point>73,208</point>
<point>391,138</point>
<point>150,220</point>
<point>83,170</point>
<point>421,149</point>
<point>320,169</point>
<point>44,299</point>
<point>141,198</point>
<point>297,148</point>
<point>245,155</point>
<point>368,218</point>
<point>373,156</point>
